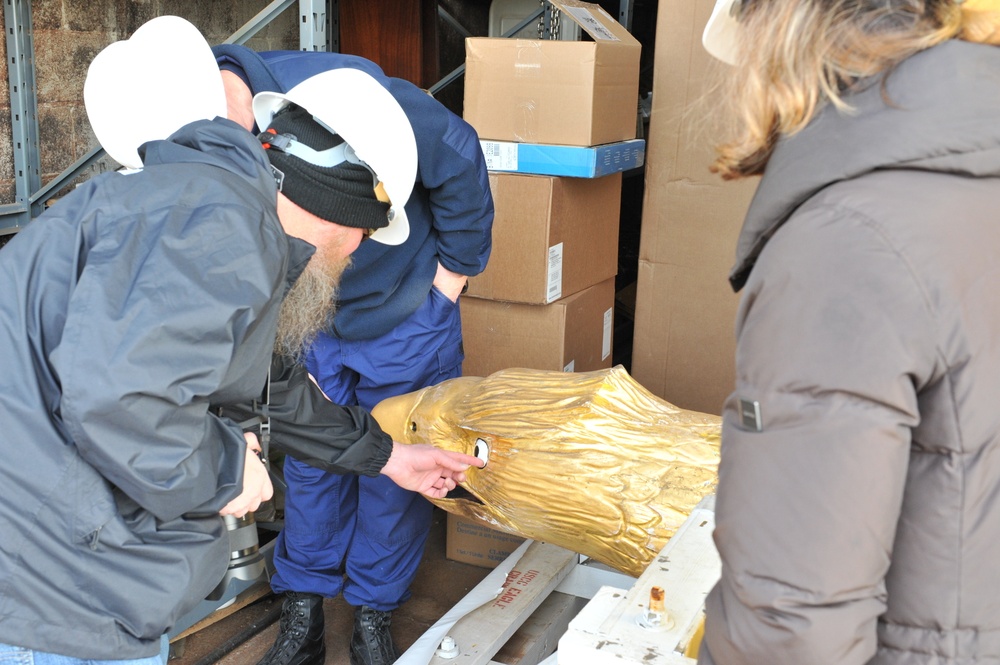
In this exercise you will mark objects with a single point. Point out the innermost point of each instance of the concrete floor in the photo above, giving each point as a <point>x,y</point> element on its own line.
<point>440,583</point>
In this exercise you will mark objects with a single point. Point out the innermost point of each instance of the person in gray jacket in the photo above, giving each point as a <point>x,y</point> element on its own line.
<point>130,311</point>
<point>858,507</point>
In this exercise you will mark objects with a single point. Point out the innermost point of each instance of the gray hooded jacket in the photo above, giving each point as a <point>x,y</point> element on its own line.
<point>858,516</point>
<point>127,309</point>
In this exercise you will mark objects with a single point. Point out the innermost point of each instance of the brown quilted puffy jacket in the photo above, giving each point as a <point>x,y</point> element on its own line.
<point>858,515</point>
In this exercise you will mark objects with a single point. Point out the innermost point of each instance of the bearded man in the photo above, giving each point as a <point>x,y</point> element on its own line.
<point>131,310</point>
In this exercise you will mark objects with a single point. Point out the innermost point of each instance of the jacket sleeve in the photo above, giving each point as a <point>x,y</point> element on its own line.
<point>834,342</point>
<point>452,168</point>
<point>162,302</point>
<point>312,429</point>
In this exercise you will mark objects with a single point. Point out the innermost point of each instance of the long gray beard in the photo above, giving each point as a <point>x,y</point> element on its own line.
<point>309,306</point>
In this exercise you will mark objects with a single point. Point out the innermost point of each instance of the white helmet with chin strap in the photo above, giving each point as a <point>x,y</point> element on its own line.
<point>376,132</point>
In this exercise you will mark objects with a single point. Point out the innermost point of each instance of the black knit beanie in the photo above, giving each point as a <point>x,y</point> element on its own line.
<point>343,194</point>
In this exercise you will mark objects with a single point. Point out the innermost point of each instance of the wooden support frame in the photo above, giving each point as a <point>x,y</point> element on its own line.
<point>484,631</point>
<point>612,629</point>
<point>595,614</point>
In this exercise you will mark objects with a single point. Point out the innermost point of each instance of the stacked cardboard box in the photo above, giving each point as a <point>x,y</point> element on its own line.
<point>545,109</point>
<point>581,93</point>
<point>557,121</point>
<point>474,542</point>
<point>684,345</point>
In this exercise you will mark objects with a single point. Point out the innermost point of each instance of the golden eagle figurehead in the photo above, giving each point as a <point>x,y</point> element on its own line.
<point>589,461</point>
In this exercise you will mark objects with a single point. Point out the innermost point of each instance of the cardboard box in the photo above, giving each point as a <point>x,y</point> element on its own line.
<point>473,542</point>
<point>564,160</point>
<point>553,91</point>
<point>684,343</point>
<point>552,237</point>
<point>572,335</point>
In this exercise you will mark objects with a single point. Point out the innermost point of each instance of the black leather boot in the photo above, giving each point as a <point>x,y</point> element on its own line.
<point>300,632</point>
<point>371,643</point>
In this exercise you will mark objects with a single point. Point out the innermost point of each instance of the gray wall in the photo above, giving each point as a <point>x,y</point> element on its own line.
<point>69,33</point>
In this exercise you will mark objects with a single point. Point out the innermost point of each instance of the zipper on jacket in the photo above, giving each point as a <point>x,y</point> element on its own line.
<point>94,538</point>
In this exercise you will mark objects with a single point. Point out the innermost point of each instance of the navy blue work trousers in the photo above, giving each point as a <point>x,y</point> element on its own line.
<point>360,536</point>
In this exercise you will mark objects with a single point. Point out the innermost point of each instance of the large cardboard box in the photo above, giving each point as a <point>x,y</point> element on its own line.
<point>553,91</point>
<point>684,344</point>
<point>552,237</point>
<point>572,335</point>
<point>472,542</point>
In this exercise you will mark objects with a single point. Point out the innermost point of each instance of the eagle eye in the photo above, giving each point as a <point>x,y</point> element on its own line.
<point>482,451</point>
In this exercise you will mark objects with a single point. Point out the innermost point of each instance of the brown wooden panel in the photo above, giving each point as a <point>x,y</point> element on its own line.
<point>399,35</point>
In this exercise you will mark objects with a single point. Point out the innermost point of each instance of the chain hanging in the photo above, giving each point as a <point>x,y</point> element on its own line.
<point>554,22</point>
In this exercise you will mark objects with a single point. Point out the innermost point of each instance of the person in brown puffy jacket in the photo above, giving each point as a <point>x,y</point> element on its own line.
<point>858,508</point>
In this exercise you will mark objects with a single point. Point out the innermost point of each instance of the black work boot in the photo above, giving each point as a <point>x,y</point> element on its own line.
<point>300,632</point>
<point>371,643</point>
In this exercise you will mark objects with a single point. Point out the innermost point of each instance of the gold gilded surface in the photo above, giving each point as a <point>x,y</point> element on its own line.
<point>589,461</point>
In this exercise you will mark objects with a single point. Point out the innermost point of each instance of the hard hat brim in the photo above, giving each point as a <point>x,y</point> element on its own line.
<point>396,232</point>
<point>721,32</point>
<point>148,86</point>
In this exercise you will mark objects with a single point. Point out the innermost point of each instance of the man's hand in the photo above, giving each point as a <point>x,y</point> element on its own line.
<point>426,469</point>
<point>256,483</point>
<point>449,283</point>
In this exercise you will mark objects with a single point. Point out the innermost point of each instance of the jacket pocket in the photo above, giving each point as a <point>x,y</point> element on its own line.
<point>93,504</point>
<point>450,356</point>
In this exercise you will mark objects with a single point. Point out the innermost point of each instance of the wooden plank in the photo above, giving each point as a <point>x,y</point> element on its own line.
<point>538,637</point>
<point>481,633</point>
<point>247,596</point>
<point>399,35</point>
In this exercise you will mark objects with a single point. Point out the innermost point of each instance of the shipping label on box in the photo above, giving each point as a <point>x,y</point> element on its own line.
<point>553,91</point>
<point>563,160</point>
<point>573,334</point>
<point>472,542</point>
<point>552,237</point>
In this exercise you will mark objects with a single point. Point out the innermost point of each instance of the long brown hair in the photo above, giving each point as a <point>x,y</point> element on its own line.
<point>798,55</point>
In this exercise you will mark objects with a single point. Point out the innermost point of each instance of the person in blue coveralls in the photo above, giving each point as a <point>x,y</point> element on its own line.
<point>397,329</point>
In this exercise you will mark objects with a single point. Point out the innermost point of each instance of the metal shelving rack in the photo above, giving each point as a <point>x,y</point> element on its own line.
<point>318,31</point>
<point>316,17</point>
<point>24,117</point>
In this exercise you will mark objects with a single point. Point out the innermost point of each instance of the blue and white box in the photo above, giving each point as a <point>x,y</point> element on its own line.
<point>564,160</point>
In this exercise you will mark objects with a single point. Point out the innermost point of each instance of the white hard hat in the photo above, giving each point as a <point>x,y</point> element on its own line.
<point>354,105</point>
<point>150,85</point>
<point>720,35</point>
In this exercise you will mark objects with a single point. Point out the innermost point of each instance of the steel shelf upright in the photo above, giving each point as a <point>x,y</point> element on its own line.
<point>24,117</point>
